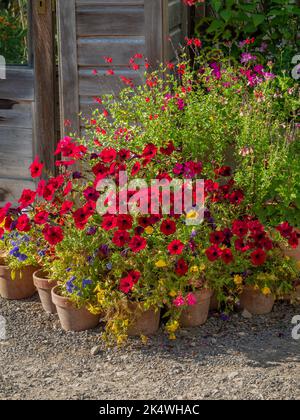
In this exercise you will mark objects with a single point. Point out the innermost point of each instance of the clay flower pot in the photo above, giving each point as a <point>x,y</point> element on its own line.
<point>44,287</point>
<point>256,302</point>
<point>144,322</point>
<point>197,315</point>
<point>2,258</point>
<point>214,303</point>
<point>21,287</point>
<point>72,318</point>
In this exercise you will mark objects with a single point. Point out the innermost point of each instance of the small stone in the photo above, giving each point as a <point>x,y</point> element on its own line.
<point>96,350</point>
<point>232,375</point>
<point>246,314</point>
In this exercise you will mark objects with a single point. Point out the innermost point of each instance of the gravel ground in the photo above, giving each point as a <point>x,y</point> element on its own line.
<point>237,359</point>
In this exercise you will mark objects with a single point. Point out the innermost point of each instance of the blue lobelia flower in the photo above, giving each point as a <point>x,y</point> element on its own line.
<point>86,282</point>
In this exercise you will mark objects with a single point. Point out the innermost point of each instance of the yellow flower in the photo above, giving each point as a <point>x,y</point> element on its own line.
<point>266,291</point>
<point>192,215</point>
<point>202,267</point>
<point>172,327</point>
<point>194,269</point>
<point>238,280</point>
<point>161,264</point>
<point>173,293</point>
<point>144,339</point>
<point>149,230</point>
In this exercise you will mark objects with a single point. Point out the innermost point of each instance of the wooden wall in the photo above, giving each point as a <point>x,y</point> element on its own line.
<point>92,29</point>
<point>16,132</point>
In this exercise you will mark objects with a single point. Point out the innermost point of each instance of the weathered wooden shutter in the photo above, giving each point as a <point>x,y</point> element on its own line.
<point>91,29</point>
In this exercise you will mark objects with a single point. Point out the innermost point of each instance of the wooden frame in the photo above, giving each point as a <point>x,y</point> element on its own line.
<point>44,124</point>
<point>68,66</point>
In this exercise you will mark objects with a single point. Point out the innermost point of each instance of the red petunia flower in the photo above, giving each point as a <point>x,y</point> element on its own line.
<point>213,253</point>
<point>294,240</point>
<point>136,168</point>
<point>258,257</point>
<point>4,211</point>
<point>68,188</point>
<point>53,234</point>
<point>36,168</point>
<point>121,238</point>
<point>223,171</point>
<point>285,229</point>
<point>149,152</point>
<point>240,246</point>
<point>124,222</point>
<point>181,267</point>
<point>27,198</point>
<point>23,223</point>
<point>168,150</point>
<point>168,227</point>
<point>124,154</point>
<point>176,247</point>
<point>126,285</point>
<point>1,232</point>
<point>135,276</point>
<point>91,194</point>
<point>109,222</point>
<point>137,244</point>
<point>81,218</point>
<point>108,155</point>
<point>227,256</point>
<point>41,218</point>
<point>236,197</point>
<point>66,207</point>
<point>217,237</point>
<point>240,228</point>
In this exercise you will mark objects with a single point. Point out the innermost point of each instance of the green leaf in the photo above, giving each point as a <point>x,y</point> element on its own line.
<point>216,4</point>
<point>258,19</point>
<point>226,14</point>
<point>214,26</point>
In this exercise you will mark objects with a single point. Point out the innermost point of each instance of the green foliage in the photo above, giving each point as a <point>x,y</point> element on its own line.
<point>274,24</point>
<point>13,32</point>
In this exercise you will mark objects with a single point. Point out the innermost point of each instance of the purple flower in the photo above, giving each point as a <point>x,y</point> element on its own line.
<point>86,282</point>
<point>268,76</point>
<point>70,286</point>
<point>109,266</point>
<point>178,169</point>
<point>104,250</point>
<point>181,104</point>
<point>224,317</point>
<point>77,175</point>
<point>91,231</point>
<point>22,257</point>
<point>246,57</point>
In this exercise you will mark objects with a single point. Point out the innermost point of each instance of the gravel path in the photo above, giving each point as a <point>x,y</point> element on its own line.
<point>237,359</point>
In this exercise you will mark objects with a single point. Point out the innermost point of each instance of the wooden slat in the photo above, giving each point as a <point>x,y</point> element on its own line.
<point>15,152</point>
<point>84,3</point>
<point>44,79</point>
<point>108,20</point>
<point>18,85</point>
<point>11,189</point>
<point>175,13</point>
<point>90,85</point>
<point>91,51</point>
<point>19,116</point>
<point>68,67</point>
<point>156,30</point>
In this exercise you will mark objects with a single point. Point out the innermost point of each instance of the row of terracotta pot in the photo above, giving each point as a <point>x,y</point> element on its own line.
<point>147,322</point>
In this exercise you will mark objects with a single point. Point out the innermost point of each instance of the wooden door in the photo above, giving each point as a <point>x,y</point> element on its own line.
<point>27,94</point>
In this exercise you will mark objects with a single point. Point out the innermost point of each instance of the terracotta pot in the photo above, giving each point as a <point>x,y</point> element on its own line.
<point>2,258</point>
<point>21,287</point>
<point>255,302</point>
<point>214,303</point>
<point>196,315</point>
<point>44,287</point>
<point>144,322</point>
<point>72,318</point>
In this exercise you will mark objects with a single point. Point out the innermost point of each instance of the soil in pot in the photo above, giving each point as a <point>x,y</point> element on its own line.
<point>21,287</point>
<point>72,318</point>
<point>256,302</point>
<point>44,287</point>
<point>197,315</point>
<point>144,322</point>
